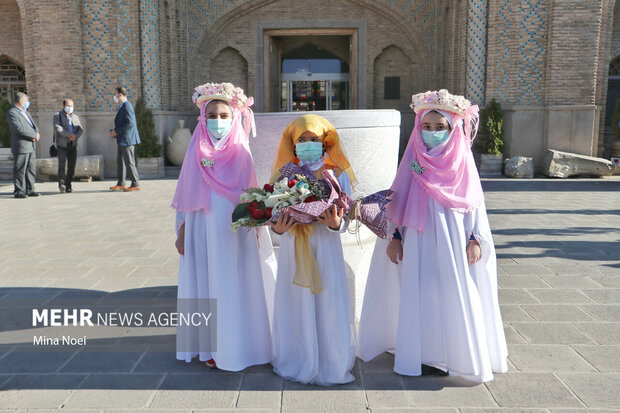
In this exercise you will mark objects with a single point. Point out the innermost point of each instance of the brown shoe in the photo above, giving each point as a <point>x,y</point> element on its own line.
<point>132,188</point>
<point>117,188</point>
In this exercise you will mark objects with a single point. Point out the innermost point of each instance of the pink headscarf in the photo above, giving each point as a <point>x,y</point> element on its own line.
<point>227,169</point>
<point>450,177</point>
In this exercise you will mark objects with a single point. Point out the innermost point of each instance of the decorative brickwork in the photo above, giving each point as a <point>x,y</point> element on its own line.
<point>525,53</point>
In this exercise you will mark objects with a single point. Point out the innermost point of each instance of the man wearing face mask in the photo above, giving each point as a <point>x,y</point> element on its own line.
<point>127,137</point>
<point>24,135</point>
<point>67,131</point>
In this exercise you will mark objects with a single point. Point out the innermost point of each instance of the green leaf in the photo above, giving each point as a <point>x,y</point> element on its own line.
<point>241,211</point>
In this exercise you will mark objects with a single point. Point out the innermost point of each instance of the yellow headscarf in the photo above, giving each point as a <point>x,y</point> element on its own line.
<point>325,131</point>
<point>306,269</point>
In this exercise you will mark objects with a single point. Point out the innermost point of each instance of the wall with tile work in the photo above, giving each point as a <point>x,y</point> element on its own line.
<point>544,60</point>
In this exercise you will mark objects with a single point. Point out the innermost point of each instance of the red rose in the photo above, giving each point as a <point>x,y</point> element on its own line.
<point>268,213</point>
<point>253,206</point>
<point>258,213</point>
<point>292,183</point>
<point>268,188</point>
<point>311,198</point>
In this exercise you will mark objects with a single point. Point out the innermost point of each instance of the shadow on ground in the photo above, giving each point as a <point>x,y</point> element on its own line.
<point>145,361</point>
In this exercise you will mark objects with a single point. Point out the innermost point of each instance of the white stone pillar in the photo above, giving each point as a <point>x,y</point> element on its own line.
<point>370,139</point>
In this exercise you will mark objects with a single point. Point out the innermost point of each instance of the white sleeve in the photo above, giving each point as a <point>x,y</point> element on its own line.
<point>180,220</point>
<point>476,225</point>
<point>345,183</point>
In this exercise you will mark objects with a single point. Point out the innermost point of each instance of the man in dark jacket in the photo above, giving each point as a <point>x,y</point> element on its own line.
<point>24,134</point>
<point>126,134</point>
<point>67,131</point>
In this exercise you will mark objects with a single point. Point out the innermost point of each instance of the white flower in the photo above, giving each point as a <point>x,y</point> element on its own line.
<point>245,197</point>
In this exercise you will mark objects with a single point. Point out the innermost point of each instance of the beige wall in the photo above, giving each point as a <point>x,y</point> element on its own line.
<point>229,66</point>
<point>392,62</point>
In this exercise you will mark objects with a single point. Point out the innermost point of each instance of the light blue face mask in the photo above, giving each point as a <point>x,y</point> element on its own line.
<point>434,138</point>
<point>309,151</point>
<point>218,128</point>
<point>26,105</point>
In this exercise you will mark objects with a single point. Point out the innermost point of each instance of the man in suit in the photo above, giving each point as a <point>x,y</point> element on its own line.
<point>126,134</point>
<point>67,131</point>
<point>24,134</point>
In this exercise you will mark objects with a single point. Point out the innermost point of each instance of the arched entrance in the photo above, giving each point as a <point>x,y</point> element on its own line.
<point>310,69</point>
<point>12,78</point>
<point>312,77</point>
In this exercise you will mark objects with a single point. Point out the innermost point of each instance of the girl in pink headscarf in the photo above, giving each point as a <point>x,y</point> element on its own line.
<point>231,272</point>
<point>431,295</point>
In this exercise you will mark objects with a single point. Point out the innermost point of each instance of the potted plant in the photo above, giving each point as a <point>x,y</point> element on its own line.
<point>149,153</point>
<point>490,144</point>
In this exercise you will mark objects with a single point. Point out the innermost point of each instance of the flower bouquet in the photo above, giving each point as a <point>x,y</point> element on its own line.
<point>304,197</point>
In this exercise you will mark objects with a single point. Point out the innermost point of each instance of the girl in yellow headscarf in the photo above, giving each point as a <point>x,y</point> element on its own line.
<point>313,319</point>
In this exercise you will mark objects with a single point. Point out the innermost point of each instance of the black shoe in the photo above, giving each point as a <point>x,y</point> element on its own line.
<point>69,190</point>
<point>432,371</point>
<point>21,195</point>
<point>33,193</point>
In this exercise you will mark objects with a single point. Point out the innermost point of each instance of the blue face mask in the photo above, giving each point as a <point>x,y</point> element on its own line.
<point>309,151</point>
<point>26,105</point>
<point>218,128</point>
<point>434,138</point>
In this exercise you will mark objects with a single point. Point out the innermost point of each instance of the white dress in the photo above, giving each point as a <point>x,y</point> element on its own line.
<point>238,270</point>
<point>313,334</point>
<point>433,307</point>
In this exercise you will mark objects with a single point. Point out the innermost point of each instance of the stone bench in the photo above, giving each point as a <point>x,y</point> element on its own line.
<point>90,166</point>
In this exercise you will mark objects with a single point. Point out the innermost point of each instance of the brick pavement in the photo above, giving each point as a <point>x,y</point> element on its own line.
<point>558,245</point>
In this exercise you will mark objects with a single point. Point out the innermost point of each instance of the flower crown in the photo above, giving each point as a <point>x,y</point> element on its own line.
<point>222,91</point>
<point>439,100</point>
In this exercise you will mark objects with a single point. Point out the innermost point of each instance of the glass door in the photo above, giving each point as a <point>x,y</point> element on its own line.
<point>310,95</point>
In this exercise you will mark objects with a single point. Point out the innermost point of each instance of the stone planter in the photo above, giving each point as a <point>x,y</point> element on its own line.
<point>90,166</point>
<point>489,164</point>
<point>6,164</point>
<point>177,144</point>
<point>150,168</point>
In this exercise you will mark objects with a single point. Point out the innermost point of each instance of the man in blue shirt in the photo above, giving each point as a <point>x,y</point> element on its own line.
<point>24,134</point>
<point>126,134</point>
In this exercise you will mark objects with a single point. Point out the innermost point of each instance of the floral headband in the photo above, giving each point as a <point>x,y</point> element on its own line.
<point>222,91</point>
<point>439,100</point>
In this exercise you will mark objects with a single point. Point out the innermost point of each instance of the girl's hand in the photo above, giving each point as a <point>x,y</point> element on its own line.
<point>473,252</point>
<point>395,250</point>
<point>283,224</point>
<point>180,242</point>
<point>332,217</point>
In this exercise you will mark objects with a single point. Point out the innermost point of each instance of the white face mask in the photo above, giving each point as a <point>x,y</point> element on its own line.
<point>69,109</point>
<point>218,128</point>
<point>116,100</point>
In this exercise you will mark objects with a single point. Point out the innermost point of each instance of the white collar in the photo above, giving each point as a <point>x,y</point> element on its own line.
<point>314,165</point>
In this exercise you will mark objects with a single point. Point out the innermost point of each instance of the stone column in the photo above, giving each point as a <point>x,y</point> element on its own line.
<point>573,52</point>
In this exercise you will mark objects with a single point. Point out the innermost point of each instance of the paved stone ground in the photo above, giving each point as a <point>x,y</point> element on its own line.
<point>558,244</point>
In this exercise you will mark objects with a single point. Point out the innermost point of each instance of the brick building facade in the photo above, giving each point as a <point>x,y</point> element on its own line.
<point>546,61</point>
